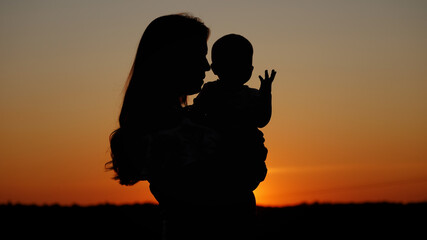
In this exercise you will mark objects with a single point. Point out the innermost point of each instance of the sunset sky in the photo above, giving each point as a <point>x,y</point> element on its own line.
<point>349,117</point>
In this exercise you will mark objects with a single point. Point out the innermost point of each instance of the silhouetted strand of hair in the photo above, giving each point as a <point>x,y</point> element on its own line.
<point>151,88</point>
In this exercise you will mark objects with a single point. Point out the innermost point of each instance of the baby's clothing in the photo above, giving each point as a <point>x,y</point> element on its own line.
<point>235,113</point>
<point>225,107</point>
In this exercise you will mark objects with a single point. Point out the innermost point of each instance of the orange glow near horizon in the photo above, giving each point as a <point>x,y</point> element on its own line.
<point>349,100</point>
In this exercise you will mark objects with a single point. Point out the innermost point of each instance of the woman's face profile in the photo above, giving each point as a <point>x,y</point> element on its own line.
<point>191,65</point>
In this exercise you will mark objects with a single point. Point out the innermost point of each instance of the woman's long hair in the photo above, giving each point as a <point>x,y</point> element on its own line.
<point>150,90</point>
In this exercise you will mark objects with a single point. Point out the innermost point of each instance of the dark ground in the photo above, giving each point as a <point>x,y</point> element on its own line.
<point>319,221</point>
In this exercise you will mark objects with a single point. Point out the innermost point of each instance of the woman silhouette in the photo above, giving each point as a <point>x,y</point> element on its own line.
<point>200,195</point>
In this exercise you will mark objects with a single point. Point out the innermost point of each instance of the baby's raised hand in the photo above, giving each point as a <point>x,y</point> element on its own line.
<point>268,80</point>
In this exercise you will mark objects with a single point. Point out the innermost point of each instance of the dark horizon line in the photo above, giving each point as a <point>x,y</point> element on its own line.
<point>302,204</point>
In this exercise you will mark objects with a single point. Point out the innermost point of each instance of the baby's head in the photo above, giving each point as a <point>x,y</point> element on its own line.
<point>232,59</point>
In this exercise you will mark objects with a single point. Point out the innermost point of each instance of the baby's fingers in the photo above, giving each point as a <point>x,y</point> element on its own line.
<point>266,74</point>
<point>273,75</point>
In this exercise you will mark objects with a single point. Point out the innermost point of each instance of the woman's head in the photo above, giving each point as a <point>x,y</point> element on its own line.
<point>170,64</point>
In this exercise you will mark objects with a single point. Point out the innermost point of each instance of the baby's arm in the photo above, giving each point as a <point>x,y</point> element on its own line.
<point>265,99</point>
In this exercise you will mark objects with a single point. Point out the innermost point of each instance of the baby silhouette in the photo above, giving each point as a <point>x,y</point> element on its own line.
<point>233,108</point>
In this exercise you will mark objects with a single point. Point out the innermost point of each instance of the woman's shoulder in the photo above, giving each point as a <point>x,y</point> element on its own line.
<point>183,144</point>
<point>186,130</point>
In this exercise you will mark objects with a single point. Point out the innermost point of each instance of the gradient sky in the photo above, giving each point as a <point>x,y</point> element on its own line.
<point>349,101</point>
